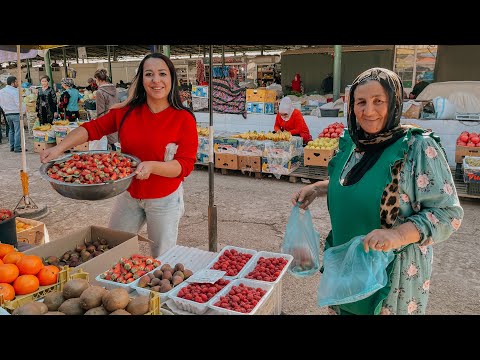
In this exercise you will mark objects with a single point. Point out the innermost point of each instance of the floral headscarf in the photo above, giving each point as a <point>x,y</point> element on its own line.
<point>68,82</point>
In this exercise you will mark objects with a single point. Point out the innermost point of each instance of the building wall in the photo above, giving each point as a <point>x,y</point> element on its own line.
<point>313,68</point>
<point>457,63</point>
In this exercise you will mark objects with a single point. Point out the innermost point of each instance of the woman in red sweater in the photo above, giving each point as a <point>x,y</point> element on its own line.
<point>154,126</point>
<point>291,120</point>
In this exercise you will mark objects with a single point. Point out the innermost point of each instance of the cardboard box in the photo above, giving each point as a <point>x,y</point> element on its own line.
<point>200,91</point>
<point>261,95</point>
<point>471,173</point>
<point>81,147</point>
<point>250,163</point>
<point>40,146</point>
<point>317,157</point>
<point>125,244</point>
<point>280,166</point>
<point>462,151</point>
<point>202,158</point>
<point>226,161</point>
<point>35,235</point>
<point>269,108</point>
<point>255,107</point>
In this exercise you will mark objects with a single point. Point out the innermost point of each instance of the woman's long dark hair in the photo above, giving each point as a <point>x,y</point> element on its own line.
<point>139,95</point>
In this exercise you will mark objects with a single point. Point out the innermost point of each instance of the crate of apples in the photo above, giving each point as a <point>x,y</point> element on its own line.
<point>333,130</point>
<point>469,139</point>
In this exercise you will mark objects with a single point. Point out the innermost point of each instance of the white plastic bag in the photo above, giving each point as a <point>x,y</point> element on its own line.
<point>170,151</point>
<point>444,108</point>
<point>101,144</point>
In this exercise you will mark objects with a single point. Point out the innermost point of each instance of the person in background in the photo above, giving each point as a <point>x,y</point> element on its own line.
<point>69,100</point>
<point>154,126</point>
<point>10,104</point>
<point>391,183</point>
<point>291,120</point>
<point>106,97</point>
<point>327,84</point>
<point>297,84</point>
<point>121,84</point>
<point>3,120</point>
<point>92,85</point>
<point>418,88</point>
<point>46,102</point>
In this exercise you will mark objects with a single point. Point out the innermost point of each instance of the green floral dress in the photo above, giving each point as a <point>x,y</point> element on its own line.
<point>428,199</point>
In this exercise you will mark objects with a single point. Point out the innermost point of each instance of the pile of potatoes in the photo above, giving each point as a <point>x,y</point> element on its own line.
<point>80,298</point>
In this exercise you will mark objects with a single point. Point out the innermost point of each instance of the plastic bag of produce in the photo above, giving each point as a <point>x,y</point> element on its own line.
<point>351,274</point>
<point>302,241</point>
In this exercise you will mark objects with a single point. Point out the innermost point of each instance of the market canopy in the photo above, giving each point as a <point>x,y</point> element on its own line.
<point>9,52</point>
<point>100,51</point>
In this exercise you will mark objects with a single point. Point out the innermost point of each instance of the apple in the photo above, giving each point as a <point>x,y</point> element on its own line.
<point>464,138</point>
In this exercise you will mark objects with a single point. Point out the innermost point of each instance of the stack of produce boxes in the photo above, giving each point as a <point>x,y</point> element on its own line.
<point>203,145</point>
<point>225,149</point>
<point>318,152</point>
<point>282,157</point>
<point>43,137</point>
<point>260,101</point>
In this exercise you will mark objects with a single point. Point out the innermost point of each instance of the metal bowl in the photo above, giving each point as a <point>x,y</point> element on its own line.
<point>88,191</point>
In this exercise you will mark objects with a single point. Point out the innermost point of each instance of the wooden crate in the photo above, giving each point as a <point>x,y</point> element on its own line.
<point>35,235</point>
<point>462,151</point>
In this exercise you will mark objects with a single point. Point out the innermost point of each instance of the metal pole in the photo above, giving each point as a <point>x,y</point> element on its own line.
<point>261,50</point>
<point>337,71</point>
<point>29,77</point>
<point>223,56</point>
<point>114,54</point>
<point>48,67</point>
<point>166,50</point>
<point>65,61</point>
<point>76,53</point>
<point>109,64</point>
<point>20,102</point>
<point>212,209</point>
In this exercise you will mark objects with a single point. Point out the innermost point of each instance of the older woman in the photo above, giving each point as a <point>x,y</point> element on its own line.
<point>154,126</point>
<point>404,195</point>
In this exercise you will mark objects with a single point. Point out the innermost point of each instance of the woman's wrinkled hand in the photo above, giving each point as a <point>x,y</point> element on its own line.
<point>382,240</point>
<point>305,196</point>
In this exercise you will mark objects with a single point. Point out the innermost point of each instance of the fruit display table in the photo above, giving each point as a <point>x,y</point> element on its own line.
<point>197,259</point>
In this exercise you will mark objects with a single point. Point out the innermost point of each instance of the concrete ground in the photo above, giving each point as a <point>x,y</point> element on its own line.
<point>252,213</point>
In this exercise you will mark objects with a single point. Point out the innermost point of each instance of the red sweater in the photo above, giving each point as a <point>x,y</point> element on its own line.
<point>145,135</point>
<point>295,125</point>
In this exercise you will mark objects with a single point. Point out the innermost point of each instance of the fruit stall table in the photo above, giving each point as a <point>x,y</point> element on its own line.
<point>447,130</point>
<point>197,259</point>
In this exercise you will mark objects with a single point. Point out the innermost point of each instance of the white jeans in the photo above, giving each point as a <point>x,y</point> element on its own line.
<point>161,215</point>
